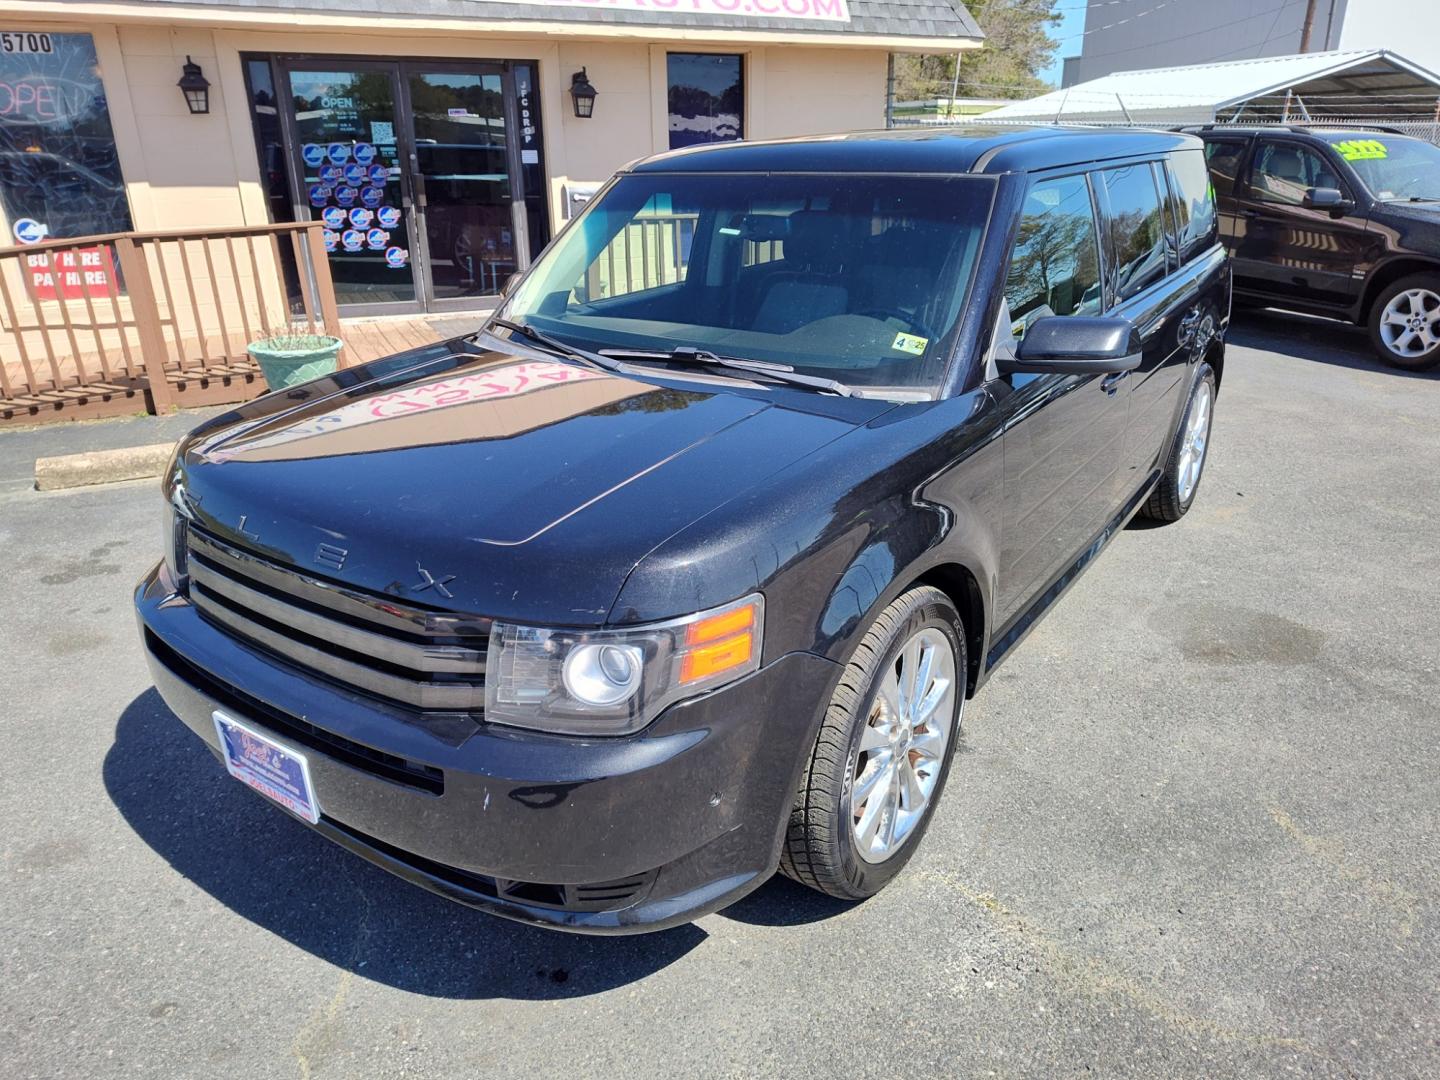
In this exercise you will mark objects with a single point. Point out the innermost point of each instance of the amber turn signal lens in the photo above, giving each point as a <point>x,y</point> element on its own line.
<point>710,660</point>
<point>720,626</point>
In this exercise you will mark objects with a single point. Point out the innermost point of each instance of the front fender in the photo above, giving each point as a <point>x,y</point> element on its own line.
<point>947,535</point>
<point>837,536</point>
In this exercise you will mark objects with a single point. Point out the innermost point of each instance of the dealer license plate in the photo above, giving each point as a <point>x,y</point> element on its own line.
<point>276,771</point>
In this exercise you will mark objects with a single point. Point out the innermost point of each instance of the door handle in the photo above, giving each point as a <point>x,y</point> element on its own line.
<point>1111,383</point>
<point>1248,213</point>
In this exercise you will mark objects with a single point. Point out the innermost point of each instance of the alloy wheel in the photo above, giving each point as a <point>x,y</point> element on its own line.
<point>1410,323</point>
<point>902,747</point>
<point>1192,447</point>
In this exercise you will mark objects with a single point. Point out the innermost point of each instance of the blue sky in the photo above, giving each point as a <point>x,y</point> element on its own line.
<point>1073,12</point>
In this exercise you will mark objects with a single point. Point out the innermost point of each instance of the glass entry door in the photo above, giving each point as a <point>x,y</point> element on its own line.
<point>462,171</point>
<point>417,169</point>
<point>350,161</point>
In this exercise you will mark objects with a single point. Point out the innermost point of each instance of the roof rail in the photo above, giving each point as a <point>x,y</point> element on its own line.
<point>1292,127</point>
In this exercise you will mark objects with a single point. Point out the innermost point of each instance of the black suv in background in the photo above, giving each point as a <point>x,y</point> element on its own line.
<point>665,580</point>
<point>1342,222</point>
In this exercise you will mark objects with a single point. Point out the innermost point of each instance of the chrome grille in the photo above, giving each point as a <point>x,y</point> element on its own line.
<point>412,655</point>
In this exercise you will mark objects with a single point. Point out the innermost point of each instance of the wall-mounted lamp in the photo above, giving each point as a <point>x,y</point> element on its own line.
<point>583,94</point>
<point>195,87</point>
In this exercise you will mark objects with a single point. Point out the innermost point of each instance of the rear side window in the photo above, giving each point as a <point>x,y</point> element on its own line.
<point>1136,228</point>
<point>1055,268</point>
<point>1224,157</point>
<point>1199,229</point>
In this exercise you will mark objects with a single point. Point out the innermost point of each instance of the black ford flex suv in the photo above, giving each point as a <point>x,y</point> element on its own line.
<point>683,568</point>
<point>1338,222</point>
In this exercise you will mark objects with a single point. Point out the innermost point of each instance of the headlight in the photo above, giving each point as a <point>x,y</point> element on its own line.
<point>614,682</point>
<point>175,526</point>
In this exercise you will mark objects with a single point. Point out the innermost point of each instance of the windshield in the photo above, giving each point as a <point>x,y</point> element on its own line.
<point>860,279</point>
<point>1393,167</point>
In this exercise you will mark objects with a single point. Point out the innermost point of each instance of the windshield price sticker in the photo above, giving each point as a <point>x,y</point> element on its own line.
<point>1362,149</point>
<point>910,343</point>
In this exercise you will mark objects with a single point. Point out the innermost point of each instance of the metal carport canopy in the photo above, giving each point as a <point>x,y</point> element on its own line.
<point>1373,81</point>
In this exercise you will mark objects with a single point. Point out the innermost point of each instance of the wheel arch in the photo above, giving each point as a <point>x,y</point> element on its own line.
<point>1215,357</point>
<point>1387,274</point>
<point>959,583</point>
<point>955,564</point>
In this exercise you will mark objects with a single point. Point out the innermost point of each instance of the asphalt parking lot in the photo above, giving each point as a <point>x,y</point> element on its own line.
<point>1192,830</point>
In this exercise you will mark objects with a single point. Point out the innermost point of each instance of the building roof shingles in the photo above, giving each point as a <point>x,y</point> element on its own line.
<point>888,18</point>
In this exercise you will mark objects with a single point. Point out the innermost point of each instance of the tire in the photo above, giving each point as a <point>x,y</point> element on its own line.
<point>1180,478</point>
<point>823,844</point>
<point>1405,323</point>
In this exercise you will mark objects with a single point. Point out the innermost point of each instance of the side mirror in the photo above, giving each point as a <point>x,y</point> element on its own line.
<point>1326,198</point>
<point>1075,345</point>
<point>509,286</point>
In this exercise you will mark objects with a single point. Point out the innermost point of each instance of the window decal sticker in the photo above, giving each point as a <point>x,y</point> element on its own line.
<point>1362,149</point>
<point>910,343</point>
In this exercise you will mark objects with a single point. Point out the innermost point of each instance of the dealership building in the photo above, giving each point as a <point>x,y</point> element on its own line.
<point>442,142</point>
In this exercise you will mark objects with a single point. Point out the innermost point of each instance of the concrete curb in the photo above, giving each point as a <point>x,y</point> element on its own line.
<point>101,467</point>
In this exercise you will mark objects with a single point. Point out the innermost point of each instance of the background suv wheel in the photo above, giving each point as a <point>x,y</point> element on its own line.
<point>1405,323</point>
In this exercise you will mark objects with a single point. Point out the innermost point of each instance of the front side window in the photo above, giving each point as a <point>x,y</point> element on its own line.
<point>706,94</point>
<point>1199,223</point>
<point>1055,267</point>
<point>1284,171</point>
<point>59,174</point>
<point>1136,228</point>
<point>855,278</point>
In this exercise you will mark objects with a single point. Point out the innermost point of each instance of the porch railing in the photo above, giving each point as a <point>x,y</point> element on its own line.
<point>102,325</point>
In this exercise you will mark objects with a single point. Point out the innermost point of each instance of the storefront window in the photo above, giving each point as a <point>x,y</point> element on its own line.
<point>59,176</point>
<point>707,98</point>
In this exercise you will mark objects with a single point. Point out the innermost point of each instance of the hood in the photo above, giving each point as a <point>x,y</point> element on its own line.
<point>531,487</point>
<point>1427,213</point>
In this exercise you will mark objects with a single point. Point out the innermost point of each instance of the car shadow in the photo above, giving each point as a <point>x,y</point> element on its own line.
<point>270,869</point>
<point>783,902</point>
<point>1310,337</point>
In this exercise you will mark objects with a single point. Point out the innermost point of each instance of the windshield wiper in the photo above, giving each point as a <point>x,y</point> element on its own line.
<point>686,354</point>
<point>555,345</point>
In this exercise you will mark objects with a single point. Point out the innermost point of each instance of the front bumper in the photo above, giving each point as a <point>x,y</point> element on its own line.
<point>612,835</point>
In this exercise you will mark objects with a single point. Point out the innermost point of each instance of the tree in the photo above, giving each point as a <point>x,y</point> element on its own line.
<point>1017,48</point>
